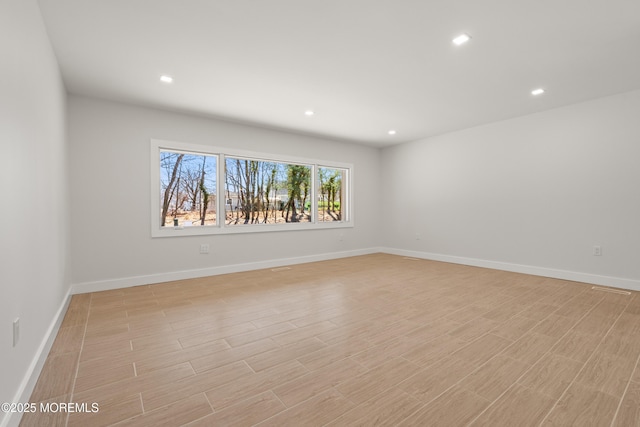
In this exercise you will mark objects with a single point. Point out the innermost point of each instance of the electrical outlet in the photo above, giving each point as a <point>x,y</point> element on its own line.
<point>16,331</point>
<point>417,236</point>
<point>597,250</point>
<point>204,248</point>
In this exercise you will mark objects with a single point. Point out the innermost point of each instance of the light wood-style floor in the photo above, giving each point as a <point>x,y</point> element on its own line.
<point>371,340</point>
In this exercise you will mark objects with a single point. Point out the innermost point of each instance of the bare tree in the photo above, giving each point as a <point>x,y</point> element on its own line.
<point>335,189</point>
<point>171,185</point>
<point>191,185</point>
<point>270,186</point>
<point>177,192</point>
<point>204,193</point>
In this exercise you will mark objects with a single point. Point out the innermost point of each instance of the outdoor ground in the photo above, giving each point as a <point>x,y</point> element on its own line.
<point>275,217</point>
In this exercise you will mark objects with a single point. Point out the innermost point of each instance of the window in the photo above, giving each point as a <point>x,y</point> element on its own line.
<point>266,192</point>
<point>210,190</point>
<point>187,189</point>
<point>330,193</point>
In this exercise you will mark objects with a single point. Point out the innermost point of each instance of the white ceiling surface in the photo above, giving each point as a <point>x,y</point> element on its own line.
<point>363,66</point>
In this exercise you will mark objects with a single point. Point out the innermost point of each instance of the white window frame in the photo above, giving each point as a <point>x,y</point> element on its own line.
<point>220,228</point>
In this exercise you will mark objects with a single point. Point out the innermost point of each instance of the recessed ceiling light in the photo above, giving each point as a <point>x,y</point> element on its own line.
<point>537,91</point>
<point>309,113</point>
<point>392,132</point>
<point>166,79</point>
<point>461,39</point>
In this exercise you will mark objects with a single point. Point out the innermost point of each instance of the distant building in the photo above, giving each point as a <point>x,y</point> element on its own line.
<point>233,201</point>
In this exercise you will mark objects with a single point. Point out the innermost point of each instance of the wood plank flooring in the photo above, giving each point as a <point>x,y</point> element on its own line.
<point>370,340</point>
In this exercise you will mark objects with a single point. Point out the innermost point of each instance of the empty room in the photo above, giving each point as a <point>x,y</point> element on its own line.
<point>337,213</point>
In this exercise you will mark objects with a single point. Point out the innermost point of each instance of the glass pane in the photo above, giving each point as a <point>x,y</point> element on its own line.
<point>187,189</point>
<point>331,198</point>
<point>263,192</point>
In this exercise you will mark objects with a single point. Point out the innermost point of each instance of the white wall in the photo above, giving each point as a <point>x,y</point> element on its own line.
<point>536,191</point>
<point>111,242</point>
<point>34,225</point>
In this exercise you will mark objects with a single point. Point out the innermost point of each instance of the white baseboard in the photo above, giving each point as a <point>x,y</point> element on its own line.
<point>33,372</point>
<point>127,282</point>
<point>105,285</point>
<point>615,282</point>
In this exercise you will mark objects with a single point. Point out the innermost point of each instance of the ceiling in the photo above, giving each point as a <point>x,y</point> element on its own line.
<point>363,66</point>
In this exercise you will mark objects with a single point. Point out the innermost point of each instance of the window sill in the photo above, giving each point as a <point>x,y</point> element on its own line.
<point>241,229</point>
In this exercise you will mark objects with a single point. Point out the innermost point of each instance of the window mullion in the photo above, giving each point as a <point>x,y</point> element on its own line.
<point>314,194</point>
<point>221,218</point>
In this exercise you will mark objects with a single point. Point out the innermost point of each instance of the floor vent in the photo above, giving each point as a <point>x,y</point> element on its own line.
<point>281,269</point>
<point>411,258</point>
<point>613,291</point>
